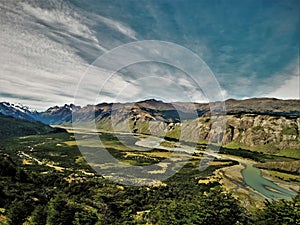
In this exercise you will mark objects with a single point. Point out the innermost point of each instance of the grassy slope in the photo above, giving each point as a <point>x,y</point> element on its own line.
<point>11,127</point>
<point>267,149</point>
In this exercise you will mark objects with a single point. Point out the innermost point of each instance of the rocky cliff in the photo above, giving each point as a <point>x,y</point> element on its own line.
<point>260,123</point>
<point>269,124</point>
<point>272,132</point>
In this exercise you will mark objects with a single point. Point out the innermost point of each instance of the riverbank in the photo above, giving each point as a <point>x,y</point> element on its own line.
<point>245,180</point>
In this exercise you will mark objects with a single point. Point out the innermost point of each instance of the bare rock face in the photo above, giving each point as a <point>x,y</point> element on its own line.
<point>253,130</point>
<point>249,129</point>
<point>254,122</point>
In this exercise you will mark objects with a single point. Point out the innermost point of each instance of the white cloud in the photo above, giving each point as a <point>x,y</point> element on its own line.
<point>64,20</point>
<point>40,52</point>
<point>45,47</point>
<point>290,89</point>
<point>127,31</point>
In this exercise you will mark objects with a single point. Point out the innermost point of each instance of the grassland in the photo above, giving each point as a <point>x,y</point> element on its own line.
<point>266,149</point>
<point>11,127</point>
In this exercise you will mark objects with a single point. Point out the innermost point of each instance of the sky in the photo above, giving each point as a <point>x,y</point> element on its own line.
<point>49,50</point>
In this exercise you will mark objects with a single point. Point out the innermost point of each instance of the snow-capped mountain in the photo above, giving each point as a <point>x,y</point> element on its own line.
<point>57,115</point>
<point>18,111</point>
<point>158,110</point>
<point>53,115</point>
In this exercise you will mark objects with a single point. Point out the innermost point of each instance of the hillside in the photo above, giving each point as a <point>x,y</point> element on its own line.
<point>262,124</point>
<point>268,125</point>
<point>171,112</point>
<point>12,127</point>
<point>18,111</point>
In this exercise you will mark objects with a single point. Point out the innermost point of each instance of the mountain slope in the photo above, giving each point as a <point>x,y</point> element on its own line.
<point>262,123</point>
<point>12,127</point>
<point>265,106</point>
<point>57,115</point>
<point>17,111</point>
<point>168,112</point>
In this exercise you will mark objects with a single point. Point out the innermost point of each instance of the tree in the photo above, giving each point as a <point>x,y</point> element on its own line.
<point>38,216</point>
<point>85,217</point>
<point>59,212</point>
<point>281,212</point>
<point>18,211</point>
<point>215,207</point>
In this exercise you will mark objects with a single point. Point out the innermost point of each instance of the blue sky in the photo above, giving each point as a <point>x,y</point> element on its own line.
<point>46,47</point>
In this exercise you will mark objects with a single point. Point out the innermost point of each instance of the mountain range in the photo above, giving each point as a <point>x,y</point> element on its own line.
<point>266,123</point>
<point>156,109</point>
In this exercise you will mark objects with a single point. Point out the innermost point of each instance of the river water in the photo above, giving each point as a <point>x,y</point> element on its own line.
<point>252,176</point>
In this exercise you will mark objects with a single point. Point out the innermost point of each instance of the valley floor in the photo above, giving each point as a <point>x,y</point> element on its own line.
<point>48,173</point>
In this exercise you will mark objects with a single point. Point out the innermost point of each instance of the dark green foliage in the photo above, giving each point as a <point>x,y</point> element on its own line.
<point>18,211</point>
<point>37,195</point>
<point>59,211</point>
<point>212,208</point>
<point>11,127</point>
<point>85,217</point>
<point>256,156</point>
<point>280,213</point>
<point>38,216</point>
<point>7,167</point>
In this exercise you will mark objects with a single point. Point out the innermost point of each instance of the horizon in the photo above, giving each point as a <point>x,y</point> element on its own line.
<point>139,101</point>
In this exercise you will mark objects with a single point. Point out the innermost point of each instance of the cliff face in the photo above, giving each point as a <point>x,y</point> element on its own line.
<point>272,123</point>
<point>251,130</point>
<point>276,132</point>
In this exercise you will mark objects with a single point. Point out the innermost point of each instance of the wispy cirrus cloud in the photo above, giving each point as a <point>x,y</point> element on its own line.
<point>119,27</point>
<point>46,47</point>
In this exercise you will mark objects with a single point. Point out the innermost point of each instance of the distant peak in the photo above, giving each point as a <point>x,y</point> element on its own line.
<point>150,100</point>
<point>64,107</point>
<point>17,106</point>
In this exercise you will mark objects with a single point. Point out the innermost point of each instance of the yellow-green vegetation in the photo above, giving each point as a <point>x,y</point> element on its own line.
<point>162,154</point>
<point>38,194</point>
<point>174,133</point>
<point>143,127</point>
<point>268,149</point>
<point>293,153</point>
<point>94,143</point>
<point>288,167</point>
<point>283,176</point>
<point>80,160</point>
<point>168,144</point>
<point>290,131</point>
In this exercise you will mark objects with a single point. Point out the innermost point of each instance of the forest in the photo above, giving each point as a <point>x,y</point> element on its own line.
<point>36,194</point>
